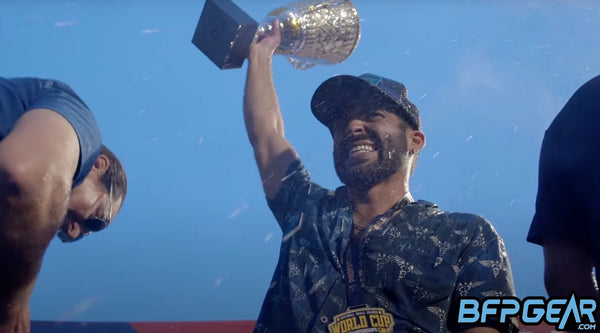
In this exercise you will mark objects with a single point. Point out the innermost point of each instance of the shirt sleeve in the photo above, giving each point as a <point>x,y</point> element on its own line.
<point>60,98</point>
<point>485,271</point>
<point>295,195</point>
<point>558,213</point>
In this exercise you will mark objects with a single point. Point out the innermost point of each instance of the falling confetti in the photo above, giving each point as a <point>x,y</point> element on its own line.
<point>61,24</point>
<point>417,188</point>
<point>318,285</point>
<point>437,153</point>
<point>238,211</point>
<point>422,96</point>
<point>515,128</point>
<point>287,176</point>
<point>290,234</point>
<point>469,138</point>
<point>80,308</point>
<point>219,281</point>
<point>200,141</point>
<point>235,213</point>
<point>267,179</point>
<point>151,141</point>
<point>268,237</point>
<point>149,31</point>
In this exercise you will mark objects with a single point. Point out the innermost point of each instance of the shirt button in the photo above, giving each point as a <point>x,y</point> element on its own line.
<point>324,319</point>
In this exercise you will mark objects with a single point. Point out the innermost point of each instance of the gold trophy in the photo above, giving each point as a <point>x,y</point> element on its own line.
<point>312,32</point>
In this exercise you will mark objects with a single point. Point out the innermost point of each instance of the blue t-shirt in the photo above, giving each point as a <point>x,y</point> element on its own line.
<point>20,95</point>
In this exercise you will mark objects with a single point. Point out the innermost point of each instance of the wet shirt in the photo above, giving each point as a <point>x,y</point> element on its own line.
<point>416,265</point>
<point>20,95</point>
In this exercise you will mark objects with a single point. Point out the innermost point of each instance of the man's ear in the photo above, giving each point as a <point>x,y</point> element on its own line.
<point>73,229</point>
<point>416,140</point>
<point>102,164</point>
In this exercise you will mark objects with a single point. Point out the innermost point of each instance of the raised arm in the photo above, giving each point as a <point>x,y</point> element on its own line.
<point>38,159</point>
<point>264,123</point>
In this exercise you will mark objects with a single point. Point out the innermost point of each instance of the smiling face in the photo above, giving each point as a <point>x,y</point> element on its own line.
<point>92,205</point>
<point>370,145</point>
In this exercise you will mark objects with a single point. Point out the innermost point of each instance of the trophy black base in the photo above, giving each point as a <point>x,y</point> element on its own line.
<point>224,33</point>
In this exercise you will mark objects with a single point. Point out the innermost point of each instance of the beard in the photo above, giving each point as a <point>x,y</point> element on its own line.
<point>391,157</point>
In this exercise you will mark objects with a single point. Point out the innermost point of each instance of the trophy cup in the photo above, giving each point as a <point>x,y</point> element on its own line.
<point>312,32</point>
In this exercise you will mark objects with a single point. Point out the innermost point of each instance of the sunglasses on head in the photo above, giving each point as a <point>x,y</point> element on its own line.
<point>91,224</point>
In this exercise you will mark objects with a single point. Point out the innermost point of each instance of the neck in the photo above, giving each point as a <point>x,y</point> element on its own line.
<point>377,200</point>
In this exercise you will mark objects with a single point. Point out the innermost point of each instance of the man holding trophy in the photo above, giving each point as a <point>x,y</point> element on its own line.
<point>365,257</point>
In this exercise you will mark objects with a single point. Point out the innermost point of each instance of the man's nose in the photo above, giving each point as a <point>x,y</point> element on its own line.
<point>356,126</point>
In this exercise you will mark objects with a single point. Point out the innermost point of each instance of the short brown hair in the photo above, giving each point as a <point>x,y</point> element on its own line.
<point>115,175</point>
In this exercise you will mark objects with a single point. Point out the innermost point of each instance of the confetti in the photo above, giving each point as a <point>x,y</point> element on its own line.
<point>61,24</point>
<point>290,234</point>
<point>151,141</point>
<point>149,31</point>
<point>268,237</point>
<point>238,211</point>
<point>80,308</point>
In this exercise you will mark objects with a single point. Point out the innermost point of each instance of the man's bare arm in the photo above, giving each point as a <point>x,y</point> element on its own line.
<point>38,159</point>
<point>262,116</point>
<point>568,268</point>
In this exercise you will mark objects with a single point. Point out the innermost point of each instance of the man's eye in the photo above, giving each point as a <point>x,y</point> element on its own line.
<point>374,115</point>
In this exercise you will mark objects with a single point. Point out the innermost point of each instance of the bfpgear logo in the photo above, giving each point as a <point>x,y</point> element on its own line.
<point>566,314</point>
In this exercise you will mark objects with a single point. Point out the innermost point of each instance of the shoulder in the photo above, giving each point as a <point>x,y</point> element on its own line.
<point>297,188</point>
<point>62,99</point>
<point>467,222</point>
<point>34,84</point>
<point>28,89</point>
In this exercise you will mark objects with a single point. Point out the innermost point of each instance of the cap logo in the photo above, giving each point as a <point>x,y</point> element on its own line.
<point>376,80</point>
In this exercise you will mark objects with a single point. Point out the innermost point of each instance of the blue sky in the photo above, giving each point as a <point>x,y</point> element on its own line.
<point>195,239</point>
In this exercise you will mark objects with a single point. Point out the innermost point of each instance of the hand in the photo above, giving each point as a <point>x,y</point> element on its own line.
<point>265,45</point>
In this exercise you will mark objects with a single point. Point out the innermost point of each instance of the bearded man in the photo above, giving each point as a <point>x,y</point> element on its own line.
<point>365,257</point>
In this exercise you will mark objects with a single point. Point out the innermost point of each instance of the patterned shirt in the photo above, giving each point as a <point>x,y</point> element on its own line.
<point>416,266</point>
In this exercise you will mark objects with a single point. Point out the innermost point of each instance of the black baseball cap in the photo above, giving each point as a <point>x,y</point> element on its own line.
<point>334,95</point>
